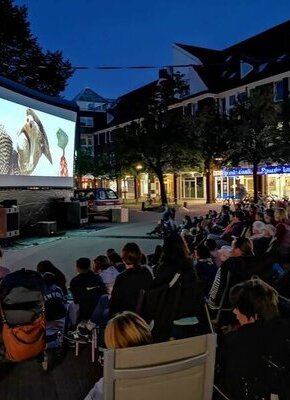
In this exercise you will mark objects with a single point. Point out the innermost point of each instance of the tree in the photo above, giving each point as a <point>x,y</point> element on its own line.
<point>160,139</point>
<point>210,136</point>
<point>21,57</point>
<point>255,136</point>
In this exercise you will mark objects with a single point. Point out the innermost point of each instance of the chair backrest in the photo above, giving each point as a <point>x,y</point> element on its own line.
<point>178,369</point>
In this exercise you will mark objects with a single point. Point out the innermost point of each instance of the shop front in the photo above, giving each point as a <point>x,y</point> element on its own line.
<point>273,180</point>
<point>193,186</point>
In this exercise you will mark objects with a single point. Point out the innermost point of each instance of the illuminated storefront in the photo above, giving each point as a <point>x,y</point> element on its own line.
<point>272,180</point>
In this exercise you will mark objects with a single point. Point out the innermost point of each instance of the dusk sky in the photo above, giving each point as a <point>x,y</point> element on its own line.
<point>95,33</point>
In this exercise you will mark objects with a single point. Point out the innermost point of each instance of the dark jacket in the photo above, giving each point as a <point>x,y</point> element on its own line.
<point>87,288</point>
<point>240,269</point>
<point>243,367</point>
<point>127,288</point>
<point>187,291</point>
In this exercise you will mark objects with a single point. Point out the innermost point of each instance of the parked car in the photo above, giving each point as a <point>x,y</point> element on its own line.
<point>101,201</point>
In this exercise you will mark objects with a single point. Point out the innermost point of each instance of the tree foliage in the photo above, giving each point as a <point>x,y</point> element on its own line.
<point>160,139</point>
<point>21,57</point>
<point>255,136</point>
<point>210,135</point>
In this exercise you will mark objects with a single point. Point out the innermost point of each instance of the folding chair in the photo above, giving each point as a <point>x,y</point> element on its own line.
<point>92,342</point>
<point>181,369</point>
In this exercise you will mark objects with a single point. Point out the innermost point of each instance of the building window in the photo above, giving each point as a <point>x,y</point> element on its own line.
<point>232,100</point>
<point>87,122</point>
<point>278,91</point>
<point>87,144</point>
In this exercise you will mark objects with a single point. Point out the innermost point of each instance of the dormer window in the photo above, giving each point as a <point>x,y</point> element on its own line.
<point>245,69</point>
<point>262,67</point>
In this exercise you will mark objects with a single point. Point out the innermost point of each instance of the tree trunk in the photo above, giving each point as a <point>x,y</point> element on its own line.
<point>255,181</point>
<point>209,195</point>
<point>160,177</point>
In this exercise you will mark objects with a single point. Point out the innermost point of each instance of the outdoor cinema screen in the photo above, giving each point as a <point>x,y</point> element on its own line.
<point>36,142</point>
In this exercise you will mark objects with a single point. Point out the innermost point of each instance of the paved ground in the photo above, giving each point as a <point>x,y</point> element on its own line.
<point>64,250</point>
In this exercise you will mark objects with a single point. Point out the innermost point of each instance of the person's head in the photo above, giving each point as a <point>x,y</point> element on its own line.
<point>46,266</point>
<point>254,299</point>
<point>187,218</point>
<point>110,251</point>
<point>211,244</point>
<point>115,258</point>
<point>259,216</point>
<point>238,206</point>
<point>174,250</point>
<point>269,215</point>
<point>225,208</point>
<point>83,264</point>
<point>127,329</point>
<point>269,231</point>
<point>101,263</point>
<point>202,252</point>
<point>258,227</point>
<point>238,216</point>
<point>225,253</point>
<point>242,247</point>
<point>280,215</point>
<point>131,255</point>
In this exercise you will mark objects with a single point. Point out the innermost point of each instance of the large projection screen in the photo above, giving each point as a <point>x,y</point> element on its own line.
<point>37,142</point>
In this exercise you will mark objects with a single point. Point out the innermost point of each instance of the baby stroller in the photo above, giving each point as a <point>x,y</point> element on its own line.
<point>22,311</point>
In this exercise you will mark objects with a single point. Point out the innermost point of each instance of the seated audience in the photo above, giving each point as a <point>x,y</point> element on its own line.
<point>86,288</point>
<point>269,216</point>
<point>105,269</point>
<point>214,252</point>
<point>126,329</point>
<point>60,279</point>
<point>205,267</point>
<point>242,265</point>
<point>234,229</point>
<point>185,299</point>
<point>116,261</point>
<point>129,283</point>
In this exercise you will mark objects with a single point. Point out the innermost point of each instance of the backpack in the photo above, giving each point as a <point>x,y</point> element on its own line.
<point>152,305</point>
<point>24,341</point>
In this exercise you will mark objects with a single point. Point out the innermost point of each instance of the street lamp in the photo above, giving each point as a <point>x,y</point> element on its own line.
<point>138,168</point>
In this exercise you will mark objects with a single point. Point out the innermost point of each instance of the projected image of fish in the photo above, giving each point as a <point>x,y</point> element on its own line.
<point>8,156</point>
<point>32,143</point>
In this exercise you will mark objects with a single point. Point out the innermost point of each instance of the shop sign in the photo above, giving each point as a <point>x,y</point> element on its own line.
<point>263,170</point>
<point>237,171</point>
<point>277,169</point>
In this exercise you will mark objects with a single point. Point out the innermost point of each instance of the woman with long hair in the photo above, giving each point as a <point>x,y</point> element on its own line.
<point>129,283</point>
<point>182,316</point>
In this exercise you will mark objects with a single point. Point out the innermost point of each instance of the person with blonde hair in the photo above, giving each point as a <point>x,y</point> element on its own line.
<point>126,329</point>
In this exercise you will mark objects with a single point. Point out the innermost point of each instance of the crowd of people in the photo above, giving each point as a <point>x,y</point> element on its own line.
<point>230,269</point>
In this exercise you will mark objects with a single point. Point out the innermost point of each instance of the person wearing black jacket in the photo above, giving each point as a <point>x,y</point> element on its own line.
<point>184,299</point>
<point>254,361</point>
<point>86,288</point>
<point>129,283</point>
